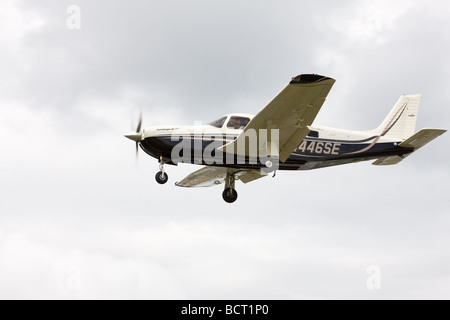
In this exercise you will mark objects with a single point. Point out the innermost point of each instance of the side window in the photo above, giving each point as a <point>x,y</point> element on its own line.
<point>313,134</point>
<point>237,122</point>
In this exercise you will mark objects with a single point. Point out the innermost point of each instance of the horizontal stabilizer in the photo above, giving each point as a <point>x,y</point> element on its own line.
<point>421,138</point>
<point>416,141</point>
<point>388,161</point>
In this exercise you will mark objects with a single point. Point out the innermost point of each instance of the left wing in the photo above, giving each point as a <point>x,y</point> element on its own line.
<point>291,112</point>
<point>210,176</point>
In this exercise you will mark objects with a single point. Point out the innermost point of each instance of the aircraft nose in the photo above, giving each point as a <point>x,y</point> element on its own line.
<point>135,136</point>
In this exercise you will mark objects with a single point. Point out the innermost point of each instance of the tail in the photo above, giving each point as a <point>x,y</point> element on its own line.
<point>400,124</point>
<point>401,121</point>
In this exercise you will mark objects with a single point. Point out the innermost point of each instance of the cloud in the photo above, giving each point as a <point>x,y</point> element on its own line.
<point>46,272</point>
<point>81,220</point>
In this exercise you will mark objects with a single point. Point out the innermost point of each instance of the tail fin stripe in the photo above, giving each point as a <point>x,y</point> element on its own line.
<point>390,126</point>
<point>386,130</point>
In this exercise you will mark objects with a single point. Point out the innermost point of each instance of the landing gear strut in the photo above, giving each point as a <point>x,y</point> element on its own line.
<point>161,177</point>
<point>229,194</point>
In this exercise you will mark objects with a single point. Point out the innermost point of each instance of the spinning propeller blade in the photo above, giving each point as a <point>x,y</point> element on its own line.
<point>136,135</point>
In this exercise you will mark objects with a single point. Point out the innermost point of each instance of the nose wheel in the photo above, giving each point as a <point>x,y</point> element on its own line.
<point>161,177</point>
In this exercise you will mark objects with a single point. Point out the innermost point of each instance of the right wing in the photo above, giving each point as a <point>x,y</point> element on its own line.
<point>291,112</point>
<point>210,176</point>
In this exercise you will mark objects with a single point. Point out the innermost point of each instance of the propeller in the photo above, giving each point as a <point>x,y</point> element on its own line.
<point>136,135</point>
<point>138,129</point>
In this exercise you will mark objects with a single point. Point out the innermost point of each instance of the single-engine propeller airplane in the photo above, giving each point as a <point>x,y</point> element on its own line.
<point>280,137</point>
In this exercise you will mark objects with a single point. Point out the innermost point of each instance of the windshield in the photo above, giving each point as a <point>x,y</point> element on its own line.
<point>218,123</point>
<point>238,122</point>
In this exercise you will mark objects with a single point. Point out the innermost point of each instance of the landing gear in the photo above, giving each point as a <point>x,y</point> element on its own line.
<point>229,194</point>
<point>161,177</point>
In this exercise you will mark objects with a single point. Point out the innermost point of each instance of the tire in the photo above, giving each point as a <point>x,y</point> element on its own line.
<point>161,177</point>
<point>229,195</point>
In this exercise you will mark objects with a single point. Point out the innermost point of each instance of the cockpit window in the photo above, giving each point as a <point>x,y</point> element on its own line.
<point>237,122</point>
<point>218,123</point>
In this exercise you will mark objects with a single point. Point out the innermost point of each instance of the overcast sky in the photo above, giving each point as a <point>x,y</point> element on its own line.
<point>80,220</point>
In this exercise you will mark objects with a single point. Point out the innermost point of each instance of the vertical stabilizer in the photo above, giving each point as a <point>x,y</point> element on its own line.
<point>401,121</point>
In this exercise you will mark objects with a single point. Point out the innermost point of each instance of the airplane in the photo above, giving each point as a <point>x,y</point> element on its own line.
<point>280,137</point>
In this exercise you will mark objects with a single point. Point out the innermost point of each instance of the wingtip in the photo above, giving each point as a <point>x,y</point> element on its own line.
<point>180,185</point>
<point>309,78</point>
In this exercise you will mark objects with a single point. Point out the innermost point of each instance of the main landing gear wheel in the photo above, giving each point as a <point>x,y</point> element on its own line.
<point>161,177</point>
<point>229,195</point>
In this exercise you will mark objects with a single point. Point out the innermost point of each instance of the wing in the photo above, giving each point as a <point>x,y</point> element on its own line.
<point>210,176</point>
<point>291,112</point>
